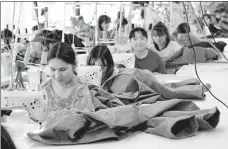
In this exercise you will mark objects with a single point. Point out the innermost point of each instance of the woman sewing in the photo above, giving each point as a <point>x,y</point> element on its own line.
<point>64,89</point>
<point>103,26</point>
<point>162,43</point>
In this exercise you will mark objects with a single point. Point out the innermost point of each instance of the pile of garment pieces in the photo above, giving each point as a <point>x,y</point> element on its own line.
<point>201,52</point>
<point>130,102</point>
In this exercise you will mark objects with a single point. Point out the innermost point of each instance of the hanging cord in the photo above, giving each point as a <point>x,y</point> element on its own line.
<point>195,61</point>
<point>13,22</point>
<point>19,79</point>
<point>12,52</point>
<point>16,37</point>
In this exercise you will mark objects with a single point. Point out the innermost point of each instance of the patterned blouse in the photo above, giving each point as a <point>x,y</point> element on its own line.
<point>79,98</point>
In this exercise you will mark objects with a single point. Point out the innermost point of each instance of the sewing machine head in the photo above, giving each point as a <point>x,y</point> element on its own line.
<point>34,102</point>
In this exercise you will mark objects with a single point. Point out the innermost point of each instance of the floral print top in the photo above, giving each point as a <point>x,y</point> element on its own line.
<point>79,98</point>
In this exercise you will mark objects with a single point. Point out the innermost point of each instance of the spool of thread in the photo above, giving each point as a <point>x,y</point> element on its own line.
<point>87,42</point>
<point>44,56</point>
<point>27,54</point>
<point>26,34</point>
<point>14,31</point>
<point>15,51</point>
<point>72,45</point>
<point>34,79</point>
<point>116,36</point>
<point>77,10</point>
<point>150,26</point>
<point>105,35</point>
<point>5,64</point>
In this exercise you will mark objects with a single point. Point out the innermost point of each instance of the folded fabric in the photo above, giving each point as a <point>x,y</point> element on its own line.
<point>136,83</point>
<point>187,56</point>
<point>174,118</point>
<point>220,45</point>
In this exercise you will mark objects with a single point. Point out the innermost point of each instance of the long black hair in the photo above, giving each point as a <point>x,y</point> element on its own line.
<point>64,52</point>
<point>183,28</point>
<point>103,18</point>
<point>103,53</point>
<point>138,29</point>
<point>160,29</point>
<point>6,141</point>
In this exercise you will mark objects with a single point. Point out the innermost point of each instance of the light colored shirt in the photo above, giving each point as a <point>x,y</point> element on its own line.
<point>167,52</point>
<point>79,98</point>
